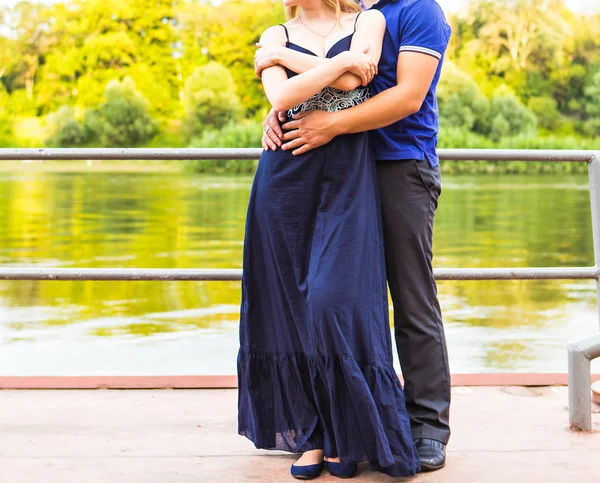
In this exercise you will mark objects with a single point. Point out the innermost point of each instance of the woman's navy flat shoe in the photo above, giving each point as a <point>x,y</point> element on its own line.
<point>309,472</point>
<point>336,469</point>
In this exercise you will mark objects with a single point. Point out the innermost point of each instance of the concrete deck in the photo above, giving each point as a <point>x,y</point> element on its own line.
<point>179,436</point>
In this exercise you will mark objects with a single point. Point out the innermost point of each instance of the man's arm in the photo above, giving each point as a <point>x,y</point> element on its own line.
<point>415,73</point>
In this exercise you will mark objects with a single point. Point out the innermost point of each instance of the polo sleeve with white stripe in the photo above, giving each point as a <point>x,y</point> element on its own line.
<point>424,29</point>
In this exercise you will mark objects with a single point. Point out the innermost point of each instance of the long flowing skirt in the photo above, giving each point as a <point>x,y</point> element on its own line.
<point>315,366</point>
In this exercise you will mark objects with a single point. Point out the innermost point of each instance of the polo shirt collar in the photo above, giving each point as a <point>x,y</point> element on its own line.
<point>382,3</point>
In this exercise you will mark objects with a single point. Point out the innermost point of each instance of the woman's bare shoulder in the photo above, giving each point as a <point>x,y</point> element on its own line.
<point>371,17</point>
<point>294,26</point>
<point>274,35</point>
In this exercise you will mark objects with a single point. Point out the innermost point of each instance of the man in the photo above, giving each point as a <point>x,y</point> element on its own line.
<point>403,118</point>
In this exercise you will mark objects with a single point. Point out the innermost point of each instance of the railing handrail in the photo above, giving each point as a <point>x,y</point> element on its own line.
<point>182,154</point>
<point>232,274</point>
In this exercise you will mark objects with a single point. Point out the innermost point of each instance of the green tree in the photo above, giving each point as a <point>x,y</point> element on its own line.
<point>64,129</point>
<point>545,110</point>
<point>123,119</point>
<point>592,107</point>
<point>210,98</point>
<point>536,48</point>
<point>108,39</point>
<point>227,34</point>
<point>31,24</point>
<point>461,103</point>
<point>509,116</point>
<point>8,54</point>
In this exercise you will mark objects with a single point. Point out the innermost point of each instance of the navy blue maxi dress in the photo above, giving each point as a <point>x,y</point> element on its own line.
<point>315,367</point>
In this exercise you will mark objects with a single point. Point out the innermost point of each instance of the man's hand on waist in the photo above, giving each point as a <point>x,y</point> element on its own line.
<point>309,130</point>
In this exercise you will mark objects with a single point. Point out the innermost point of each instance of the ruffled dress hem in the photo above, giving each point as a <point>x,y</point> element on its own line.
<point>295,403</point>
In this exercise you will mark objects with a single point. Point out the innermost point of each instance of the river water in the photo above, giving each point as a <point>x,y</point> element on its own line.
<point>183,220</point>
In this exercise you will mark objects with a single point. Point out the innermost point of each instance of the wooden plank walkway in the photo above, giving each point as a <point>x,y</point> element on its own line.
<point>500,434</point>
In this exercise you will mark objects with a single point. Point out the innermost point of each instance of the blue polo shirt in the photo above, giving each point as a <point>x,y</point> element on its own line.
<point>412,26</point>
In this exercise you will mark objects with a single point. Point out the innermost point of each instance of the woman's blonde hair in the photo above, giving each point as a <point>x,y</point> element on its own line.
<point>346,6</point>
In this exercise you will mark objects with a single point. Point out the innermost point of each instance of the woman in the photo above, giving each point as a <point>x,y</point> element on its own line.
<point>315,365</point>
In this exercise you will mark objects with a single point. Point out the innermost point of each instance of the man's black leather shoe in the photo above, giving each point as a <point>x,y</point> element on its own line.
<point>432,454</point>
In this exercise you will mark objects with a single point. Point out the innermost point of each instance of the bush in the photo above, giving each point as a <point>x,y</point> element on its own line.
<point>463,106</point>
<point>545,110</point>
<point>500,127</point>
<point>210,99</point>
<point>235,135</point>
<point>64,129</point>
<point>456,138</point>
<point>509,116</point>
<point>461,103</point>
<point>123,120</point>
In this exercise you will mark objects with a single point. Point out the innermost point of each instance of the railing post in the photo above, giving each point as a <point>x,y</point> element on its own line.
<point>594,179</point>
<point>580,392</point>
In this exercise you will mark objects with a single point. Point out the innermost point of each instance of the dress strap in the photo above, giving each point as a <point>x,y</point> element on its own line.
<point>356,20</point>
<point>287,36</point>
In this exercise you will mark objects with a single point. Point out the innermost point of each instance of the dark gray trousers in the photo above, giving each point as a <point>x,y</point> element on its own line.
<point>409,197</point>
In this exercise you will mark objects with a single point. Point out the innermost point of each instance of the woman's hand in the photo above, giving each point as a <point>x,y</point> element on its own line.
<point>359,64</point>
<point>266,57</point>
<point>272,132</point>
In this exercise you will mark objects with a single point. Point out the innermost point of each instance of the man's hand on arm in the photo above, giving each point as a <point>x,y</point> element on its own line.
<point>415,73</point>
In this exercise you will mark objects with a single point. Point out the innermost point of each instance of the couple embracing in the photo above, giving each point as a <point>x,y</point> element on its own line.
<point>343,200</point>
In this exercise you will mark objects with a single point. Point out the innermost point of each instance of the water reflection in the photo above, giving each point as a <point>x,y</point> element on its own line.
<point>173,220</point>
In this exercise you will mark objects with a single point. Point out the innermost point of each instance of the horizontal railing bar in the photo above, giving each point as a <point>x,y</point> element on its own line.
<point>560,273</point>
<point>192,274</point>
<point>125,274</point>
<point>119,154</point>
<point>577,156</point>
<point>60,154</point>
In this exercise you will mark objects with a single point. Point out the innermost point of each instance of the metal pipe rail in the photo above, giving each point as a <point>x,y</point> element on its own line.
<point>222,275</point>
<point>175,154</point>
<point>580,353</point>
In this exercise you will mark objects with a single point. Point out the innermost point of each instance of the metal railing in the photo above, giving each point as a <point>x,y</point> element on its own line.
<point>580,353</point>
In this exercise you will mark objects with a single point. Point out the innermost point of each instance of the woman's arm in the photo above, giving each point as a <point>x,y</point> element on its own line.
<point>370,29</point>
<point>284,93</point>
<point>300,63</point>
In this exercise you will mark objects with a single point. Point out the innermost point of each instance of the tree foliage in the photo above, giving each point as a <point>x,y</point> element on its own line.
<point>210,98</point>
<point>64,129</point>
<point>121,120</point>
<point>512,65</point>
